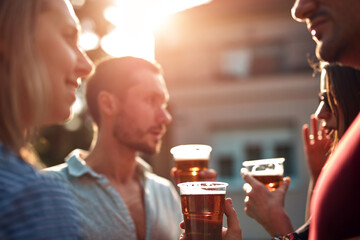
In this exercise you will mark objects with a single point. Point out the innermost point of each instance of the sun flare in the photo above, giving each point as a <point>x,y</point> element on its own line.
<point>134,23</point>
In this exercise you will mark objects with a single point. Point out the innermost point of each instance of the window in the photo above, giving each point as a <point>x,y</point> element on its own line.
<point>253,151</point>
<point>225,166</point>
<point>253,60</point>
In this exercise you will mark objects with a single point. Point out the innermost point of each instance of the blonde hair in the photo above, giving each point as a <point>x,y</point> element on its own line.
<point>24,87</point>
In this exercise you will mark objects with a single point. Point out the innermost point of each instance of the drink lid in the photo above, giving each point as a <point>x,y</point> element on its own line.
<point>263,161</point>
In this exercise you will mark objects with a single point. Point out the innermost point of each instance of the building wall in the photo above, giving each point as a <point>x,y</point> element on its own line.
<point>238,77</point>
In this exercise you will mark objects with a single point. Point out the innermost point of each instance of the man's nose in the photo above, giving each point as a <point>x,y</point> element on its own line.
<point>164,116</point>
<point>303,9</point>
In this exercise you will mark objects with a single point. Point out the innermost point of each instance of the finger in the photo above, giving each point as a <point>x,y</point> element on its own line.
<point>305,133</point>
<point>314,126</point>
<point>208,175</point>
<point>247,188</point>
<point>285,185</point>
<point>182,225</point>
<point>248,178</point>
<point>174,174</point>
<point>182,236</point>
<point>246,200</point>
<point>232,218</point>
<point>320,134</point>
<point>323,132</point>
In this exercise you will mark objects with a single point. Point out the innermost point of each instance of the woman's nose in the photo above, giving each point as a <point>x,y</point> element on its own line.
<point>84,65</point>
<point>323,111</point>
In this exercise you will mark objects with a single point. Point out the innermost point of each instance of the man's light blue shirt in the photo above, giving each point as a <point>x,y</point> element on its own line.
<point>103,212</point>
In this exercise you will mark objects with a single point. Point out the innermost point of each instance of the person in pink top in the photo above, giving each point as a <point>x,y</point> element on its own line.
<point>339,105</point>
<point>335,27</point>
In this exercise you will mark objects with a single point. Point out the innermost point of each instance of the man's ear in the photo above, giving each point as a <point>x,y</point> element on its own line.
<point>107,103</point>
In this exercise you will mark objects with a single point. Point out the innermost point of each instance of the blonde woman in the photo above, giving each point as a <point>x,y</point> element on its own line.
<point>40,64</point>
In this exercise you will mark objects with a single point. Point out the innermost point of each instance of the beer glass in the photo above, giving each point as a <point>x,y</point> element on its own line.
<point>268,171</point>
<point>203,208</point>
<point>190,159</point>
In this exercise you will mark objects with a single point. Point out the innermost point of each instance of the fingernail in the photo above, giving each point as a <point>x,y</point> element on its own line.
<point>243,171</point>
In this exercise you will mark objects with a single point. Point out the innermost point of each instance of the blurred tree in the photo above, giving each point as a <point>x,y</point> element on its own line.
<point>54,143</point>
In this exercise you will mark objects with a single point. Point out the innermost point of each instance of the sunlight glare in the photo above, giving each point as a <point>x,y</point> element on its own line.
<point>120,43</point>
<point>114,15</point>
<point>159,13</point>
<point>89,40</point>
<point>134,21</point>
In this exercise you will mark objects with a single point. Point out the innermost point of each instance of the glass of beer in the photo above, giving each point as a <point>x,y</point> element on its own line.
<point>268,171</point>
<point>190,159</point>
<point>203,208</point>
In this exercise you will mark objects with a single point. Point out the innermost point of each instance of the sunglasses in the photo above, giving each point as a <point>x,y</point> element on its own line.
<point>323,97</point>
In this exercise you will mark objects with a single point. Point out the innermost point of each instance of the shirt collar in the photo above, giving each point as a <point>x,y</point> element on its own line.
<point>78,167</point>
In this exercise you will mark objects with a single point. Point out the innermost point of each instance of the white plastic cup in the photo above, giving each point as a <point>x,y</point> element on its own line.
<point>268,171</point>
<point>190,159</point>
<point>203,209</point>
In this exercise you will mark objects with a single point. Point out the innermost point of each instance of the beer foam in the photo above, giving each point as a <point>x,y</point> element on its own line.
<point>267,173</point>
<point>203,193</point>
<point>191,151</point>
<point>202,188</point>
<point>190,158</point>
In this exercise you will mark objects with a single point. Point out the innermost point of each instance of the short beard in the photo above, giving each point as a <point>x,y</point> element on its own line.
<point>124,139</point>
<point>148,150</point>
<point>333,50</point>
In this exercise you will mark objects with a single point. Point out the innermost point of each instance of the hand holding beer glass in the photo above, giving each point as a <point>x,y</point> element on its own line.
<point>268,171</point>
<point>203,208</point>
<point>190,159</point>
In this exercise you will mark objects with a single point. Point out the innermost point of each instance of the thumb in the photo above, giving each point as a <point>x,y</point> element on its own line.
<point>285,185</point>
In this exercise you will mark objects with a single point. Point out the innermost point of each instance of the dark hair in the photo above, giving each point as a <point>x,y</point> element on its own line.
<point>114,75</point>
<point>344,88</point>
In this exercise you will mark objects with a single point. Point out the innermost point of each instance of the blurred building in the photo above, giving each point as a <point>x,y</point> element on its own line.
<point>239,80</point>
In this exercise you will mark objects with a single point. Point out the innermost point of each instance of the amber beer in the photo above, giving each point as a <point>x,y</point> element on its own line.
<point>271,181</point>
<point>268,171</point>
<point>188,169</point>
<point>190,159</point>
<point>203,215</point>
<point>203,208</point>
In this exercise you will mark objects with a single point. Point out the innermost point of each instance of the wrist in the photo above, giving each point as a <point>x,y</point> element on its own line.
<point>280,224</point>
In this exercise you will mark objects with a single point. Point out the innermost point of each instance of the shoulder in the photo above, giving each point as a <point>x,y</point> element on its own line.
<point>161,187</point>
<point>74,166</point>
<point>156,180</point>
<point>41,203</point>
<point>18,176</point>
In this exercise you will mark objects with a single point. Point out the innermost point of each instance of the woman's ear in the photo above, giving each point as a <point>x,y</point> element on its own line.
<point>107,103</point>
